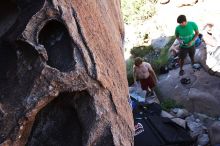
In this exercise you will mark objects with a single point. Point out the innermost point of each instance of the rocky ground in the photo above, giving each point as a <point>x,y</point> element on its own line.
<point>162,26</point>
<point>201,97</point>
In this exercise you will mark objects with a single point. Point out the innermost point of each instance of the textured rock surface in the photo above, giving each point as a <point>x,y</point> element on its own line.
<point>62,78</point>
<point>214,131</point>
<point>201,95</point>
<point>210,61</point>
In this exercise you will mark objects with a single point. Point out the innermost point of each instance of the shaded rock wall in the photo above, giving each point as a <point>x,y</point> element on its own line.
<point>63,79</point>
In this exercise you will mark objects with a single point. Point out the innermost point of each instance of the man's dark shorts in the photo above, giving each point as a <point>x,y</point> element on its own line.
<point>184,51</point>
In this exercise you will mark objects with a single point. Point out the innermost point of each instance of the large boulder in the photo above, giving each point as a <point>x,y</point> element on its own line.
<point>63,77</point>
<point>201,95</point>
<point>209,58</point>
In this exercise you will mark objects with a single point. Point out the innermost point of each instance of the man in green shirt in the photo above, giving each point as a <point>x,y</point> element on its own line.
<point>186,33</point>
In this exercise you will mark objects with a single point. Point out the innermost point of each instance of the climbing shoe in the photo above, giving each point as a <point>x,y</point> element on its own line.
<point>185,81</point>
<point>181,72</point>
<point>196,66</point>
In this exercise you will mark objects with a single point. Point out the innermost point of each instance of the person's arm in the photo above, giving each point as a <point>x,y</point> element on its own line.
<point>152,72</point>
<point>177,37</point>
<point>180,41</point>
<point>154,75</point>
<point>195,27</point>
<point>196,35</point>
<point>194,38</point>
<point>134,75</point>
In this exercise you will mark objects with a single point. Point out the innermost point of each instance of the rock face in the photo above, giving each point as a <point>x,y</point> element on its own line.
<point>209,57</point>
<point>62,77</point>
<point>200,95</point>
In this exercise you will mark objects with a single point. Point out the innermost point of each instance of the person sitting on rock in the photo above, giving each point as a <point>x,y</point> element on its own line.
<point>143,72</point>
<point>175,48</point>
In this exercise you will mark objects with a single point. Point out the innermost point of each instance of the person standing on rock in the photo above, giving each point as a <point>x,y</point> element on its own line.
<point>186,33</point>
<point>143,72</point>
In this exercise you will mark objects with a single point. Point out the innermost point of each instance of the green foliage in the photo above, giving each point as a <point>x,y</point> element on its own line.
<point>162,60</point>
<point>148,54</point>
<point>141,51</point>
<point>168,104</point>
<point>129,69</point>
<point>137,10</point>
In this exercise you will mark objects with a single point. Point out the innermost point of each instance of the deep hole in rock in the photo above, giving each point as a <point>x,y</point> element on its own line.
<point>8,59</point>
<point>57,124</point>
<point>55,38</point>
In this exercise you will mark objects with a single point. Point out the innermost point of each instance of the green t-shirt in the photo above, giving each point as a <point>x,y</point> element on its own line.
<point>186,33</point>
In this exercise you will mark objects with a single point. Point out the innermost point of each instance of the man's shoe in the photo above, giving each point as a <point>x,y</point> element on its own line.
<point>150,93</point>
<point>185,81</point>
<point>181,72</point>
<point>196,66</point>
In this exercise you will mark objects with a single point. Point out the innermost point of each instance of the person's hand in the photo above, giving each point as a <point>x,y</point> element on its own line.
<point>190,43</point>
<point>181,42</point>
<point>135,83</point>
